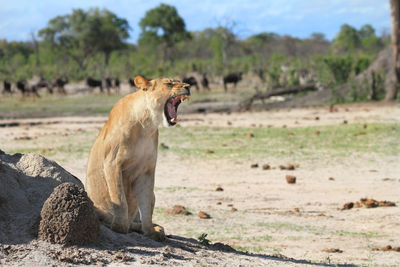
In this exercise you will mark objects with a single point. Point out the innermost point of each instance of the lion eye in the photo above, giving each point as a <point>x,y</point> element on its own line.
<point>170,84</point>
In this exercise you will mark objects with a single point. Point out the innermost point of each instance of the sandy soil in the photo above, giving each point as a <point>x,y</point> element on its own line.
<point>300,221</point>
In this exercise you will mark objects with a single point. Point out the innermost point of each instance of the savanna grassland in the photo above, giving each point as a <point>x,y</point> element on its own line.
<point>337,156</point>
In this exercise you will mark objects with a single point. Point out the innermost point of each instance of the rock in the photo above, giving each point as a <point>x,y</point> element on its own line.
<point>219,189</point>
<point>290,179</point>
<point>204,215</point>
<point>386,203</point>
<point>369,202</point>
<point>254,165</point>
<point>178,210</point>
<point>289,167</point>
<point>266,167</point>
<point>348,206</point>
<point>68,217</point>
<point>387,248</point>
<point>249,135</point>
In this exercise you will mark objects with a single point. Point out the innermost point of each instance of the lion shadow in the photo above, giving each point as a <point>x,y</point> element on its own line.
<point>182,248</point>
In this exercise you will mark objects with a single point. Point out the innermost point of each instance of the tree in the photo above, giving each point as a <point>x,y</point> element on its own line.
<point>259,43</point>
<point>318,37</point>
<point>369,41</point>
<point>366,31</point>
<point>225,31</point>
<point>162,26</point>
<point>395,73</point>
<point>107,32</point>
<point>82,34</point>
<point>347,39</point>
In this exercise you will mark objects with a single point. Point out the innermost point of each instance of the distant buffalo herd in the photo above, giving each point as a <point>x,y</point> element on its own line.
<point>31,87</point>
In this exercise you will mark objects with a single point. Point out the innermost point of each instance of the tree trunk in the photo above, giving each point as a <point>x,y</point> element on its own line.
<point>106,61</point>
<point>246,104</point>
<point>36,47</point>
<point>373,94</point>
<point>391,94</point>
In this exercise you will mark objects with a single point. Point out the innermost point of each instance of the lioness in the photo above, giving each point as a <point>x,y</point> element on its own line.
<point>122,161</point>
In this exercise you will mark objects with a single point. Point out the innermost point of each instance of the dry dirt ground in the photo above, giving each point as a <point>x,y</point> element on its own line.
<point>256,210</point>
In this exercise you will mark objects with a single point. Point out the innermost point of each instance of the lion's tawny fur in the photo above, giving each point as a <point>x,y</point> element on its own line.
<point>121,165</point>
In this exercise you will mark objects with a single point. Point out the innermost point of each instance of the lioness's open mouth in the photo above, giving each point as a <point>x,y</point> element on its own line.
<point>171,108</point>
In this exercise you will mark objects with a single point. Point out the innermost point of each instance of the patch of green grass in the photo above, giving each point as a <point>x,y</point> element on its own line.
<point>302,142</point>
<point>55,146</point>
<point>363,234</point>
<point>260,238</point>
<point>93,104</point>
<point>50,106</point>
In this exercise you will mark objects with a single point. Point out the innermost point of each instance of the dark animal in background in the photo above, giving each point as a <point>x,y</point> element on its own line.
<point>108,83</point>
<point>191,81</point>
<point>117,82</point>
<point>117,85</point>
<point>6,87</point>
<point>25,89</point>
<point>92,83</point>
<point>204,82</point>
<point>112,84</point>
<point>43,83</point>
<point>232,78</point>
<point>21,84</point>
<point>131,83</point>
<point>60,83</point>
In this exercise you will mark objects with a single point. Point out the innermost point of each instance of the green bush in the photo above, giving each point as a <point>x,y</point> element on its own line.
<point>361,63</point>
<point>339,66</point>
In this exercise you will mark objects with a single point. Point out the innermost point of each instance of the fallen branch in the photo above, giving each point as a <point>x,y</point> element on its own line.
<point>246,104</point>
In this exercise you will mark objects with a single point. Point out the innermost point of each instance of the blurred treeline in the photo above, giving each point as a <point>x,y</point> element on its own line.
<point>94,43</point>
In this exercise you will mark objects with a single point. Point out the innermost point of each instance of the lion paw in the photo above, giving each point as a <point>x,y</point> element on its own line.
<point>157,234</point>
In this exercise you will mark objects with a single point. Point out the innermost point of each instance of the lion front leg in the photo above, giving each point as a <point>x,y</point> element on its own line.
<point>144,189</point>
<point>120,220</point>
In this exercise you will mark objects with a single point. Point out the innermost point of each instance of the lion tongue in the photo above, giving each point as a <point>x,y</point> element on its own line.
<point>171,110</point>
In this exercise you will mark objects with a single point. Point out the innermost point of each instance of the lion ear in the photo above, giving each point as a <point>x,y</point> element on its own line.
<point>142,83</point>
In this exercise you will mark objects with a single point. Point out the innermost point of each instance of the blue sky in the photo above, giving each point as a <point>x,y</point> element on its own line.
<point>299,18</point>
